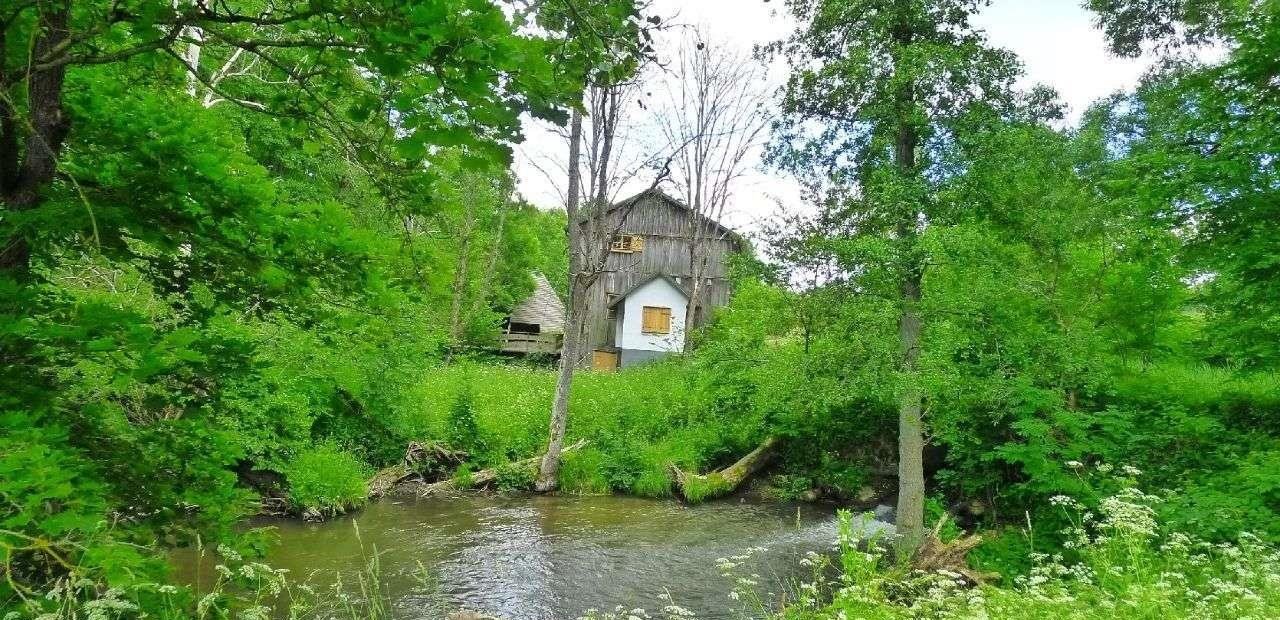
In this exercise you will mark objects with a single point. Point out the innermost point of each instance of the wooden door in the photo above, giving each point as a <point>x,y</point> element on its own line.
<point>604,360</point>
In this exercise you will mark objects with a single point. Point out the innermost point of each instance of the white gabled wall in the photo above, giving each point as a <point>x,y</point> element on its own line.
<point>660,293</point>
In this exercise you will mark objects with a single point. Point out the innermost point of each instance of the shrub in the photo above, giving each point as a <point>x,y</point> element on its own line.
<point>1243,496</point>
<point>463,433</point>
<point>1119,563</point>
<point>54,525</point>
<point>652,481</point>
<point>581,473</point>
<point>789,487</point>
<point>514,477</point>
<point>464,477</point>
<point>326,480</point>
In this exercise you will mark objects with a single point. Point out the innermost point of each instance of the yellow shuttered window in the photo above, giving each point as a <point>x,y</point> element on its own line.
<point>627,243</point>
<point>656,320</point>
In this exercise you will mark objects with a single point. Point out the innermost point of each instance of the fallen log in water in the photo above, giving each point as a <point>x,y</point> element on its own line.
<point>422,461</point>
<point>485,476</point>
<point>699,487</point>
<point>386,479</point>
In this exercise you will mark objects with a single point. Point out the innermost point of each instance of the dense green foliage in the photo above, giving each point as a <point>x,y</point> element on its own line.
<point>1118,566</point>
<point>1101,293</point>
<point>245,266</point>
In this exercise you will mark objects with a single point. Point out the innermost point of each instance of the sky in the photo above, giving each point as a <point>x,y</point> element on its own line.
<point>1055,39</point>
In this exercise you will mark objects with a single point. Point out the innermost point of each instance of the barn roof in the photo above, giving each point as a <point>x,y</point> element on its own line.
<point>543,307</point>
<point>654,192</point>
<point>644,282</point>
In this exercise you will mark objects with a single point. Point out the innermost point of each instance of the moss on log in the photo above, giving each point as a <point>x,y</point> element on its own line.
<point>701,487</point>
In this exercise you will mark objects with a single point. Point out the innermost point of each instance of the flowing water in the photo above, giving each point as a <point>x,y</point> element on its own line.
<point>552,558</point>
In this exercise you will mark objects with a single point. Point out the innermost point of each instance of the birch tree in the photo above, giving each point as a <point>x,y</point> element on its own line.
<point>718,104</point>
<point>549,469</point>
<point>591,230</point>
<point>621,51</point>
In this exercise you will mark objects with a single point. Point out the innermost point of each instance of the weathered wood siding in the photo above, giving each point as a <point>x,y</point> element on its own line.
<point>665,228</point>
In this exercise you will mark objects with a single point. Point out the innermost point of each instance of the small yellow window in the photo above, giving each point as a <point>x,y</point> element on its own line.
<point>656,320</point>
<point>627,244</point>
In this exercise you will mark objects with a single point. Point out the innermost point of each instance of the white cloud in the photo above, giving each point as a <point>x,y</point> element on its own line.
<point>1060,47</point>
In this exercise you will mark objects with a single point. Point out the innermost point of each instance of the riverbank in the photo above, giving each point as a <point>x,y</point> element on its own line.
<point>646,432</point>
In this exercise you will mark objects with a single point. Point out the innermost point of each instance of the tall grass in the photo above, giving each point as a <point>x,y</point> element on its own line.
<point>638,421</point>
<point>240,588</point>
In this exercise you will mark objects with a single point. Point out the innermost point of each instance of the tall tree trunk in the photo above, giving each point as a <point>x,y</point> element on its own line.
<point>192,57</point>
<point>549,471</point>
<point>462,268</point>
<point>698,259</point>
<point>48,129</point>
<point>461,272</point>
<point>8,129</point>
<point>194,35</point>
<point>610,111</point>
<point>601,229</point>
<point>910,521</point>
<point>691,311</point>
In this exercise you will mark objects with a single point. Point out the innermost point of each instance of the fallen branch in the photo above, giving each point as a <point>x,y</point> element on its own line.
<point>935,555</point>
<point>485,476</point>
<point>422,461</point>
<point>386,479</point>
<point>699,487</point>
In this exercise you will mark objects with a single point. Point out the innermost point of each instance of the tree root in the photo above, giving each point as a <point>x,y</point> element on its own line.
<point>422,461</point>
<point>700,487</point>
<point>934,555</point>
<point>386,479</point>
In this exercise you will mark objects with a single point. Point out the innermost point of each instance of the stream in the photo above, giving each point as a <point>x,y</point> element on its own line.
<point>552,558</point>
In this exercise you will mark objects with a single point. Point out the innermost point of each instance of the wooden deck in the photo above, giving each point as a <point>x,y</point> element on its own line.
<point>530,343</point>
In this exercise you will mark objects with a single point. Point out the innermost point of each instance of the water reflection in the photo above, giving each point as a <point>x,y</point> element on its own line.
<point>551,558</point>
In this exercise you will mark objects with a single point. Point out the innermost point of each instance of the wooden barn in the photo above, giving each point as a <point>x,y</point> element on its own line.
<point>636,308</point>
<point>537,324</point>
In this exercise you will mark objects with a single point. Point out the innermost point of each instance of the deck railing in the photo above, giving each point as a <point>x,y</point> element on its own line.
<point>530,343</point>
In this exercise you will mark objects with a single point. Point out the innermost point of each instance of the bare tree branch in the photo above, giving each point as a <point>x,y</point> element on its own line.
<point>719,104</point>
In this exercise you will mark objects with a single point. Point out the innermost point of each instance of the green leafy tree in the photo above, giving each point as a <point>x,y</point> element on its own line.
<point>1197,151</point>
<point>618,51</point>
<point>208,268</point>
<point>874,87</point>
<point>453,72</point>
